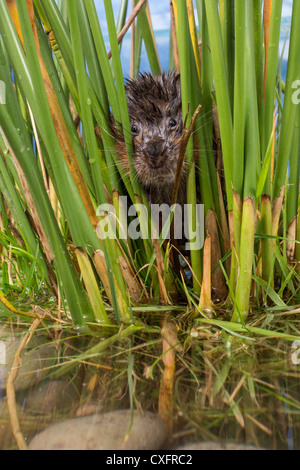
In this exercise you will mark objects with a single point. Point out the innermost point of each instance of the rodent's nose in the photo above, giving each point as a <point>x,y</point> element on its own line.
<point>155,147</point>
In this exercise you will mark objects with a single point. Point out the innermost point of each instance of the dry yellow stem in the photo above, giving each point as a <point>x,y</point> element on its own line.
<point>163,294</point>
<point>13,309</point>
<point>205,296</point>
<point>132,51</point>
<point>218,280</point>
<point>131,280</point>
<point>10,389</point>
<point>174,38</point>
<point>152,31</point>
<point>175,9</point>
<point>135,11</point>
<point>291,235</point>
<point>276,210</point>
<point>224,224</point>
<point>165,401</point>
<point>101,268</point>
<point>267,22</point>
<point>193,33</point>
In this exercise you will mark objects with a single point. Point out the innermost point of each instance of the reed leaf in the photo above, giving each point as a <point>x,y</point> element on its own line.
<point>222,92</point>
<point>289,107</point>
<point>58,161</point>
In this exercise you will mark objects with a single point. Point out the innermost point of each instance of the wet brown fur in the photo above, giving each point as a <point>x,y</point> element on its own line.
<point>154,104</point>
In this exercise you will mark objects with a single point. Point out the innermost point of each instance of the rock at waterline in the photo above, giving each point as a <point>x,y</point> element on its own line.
<point>34,364</point>
<point>104,432</point>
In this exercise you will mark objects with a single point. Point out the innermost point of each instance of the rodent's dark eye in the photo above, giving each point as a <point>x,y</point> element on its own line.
<point>172,122</point>
<point>134,129</point>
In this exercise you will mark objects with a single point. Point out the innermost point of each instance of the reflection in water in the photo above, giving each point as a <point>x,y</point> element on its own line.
<point>226,388</point>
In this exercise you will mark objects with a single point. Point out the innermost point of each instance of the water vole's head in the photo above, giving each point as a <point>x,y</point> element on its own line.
<point>154,105</point>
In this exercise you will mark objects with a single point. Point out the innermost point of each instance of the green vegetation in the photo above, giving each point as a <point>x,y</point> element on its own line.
<point>58,161</point>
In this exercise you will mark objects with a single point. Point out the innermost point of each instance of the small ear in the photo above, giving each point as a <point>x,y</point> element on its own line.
<point>112,125</point>
<point>177,82</point>
<point>132,89</point>
<point>176,89</point>
<point>115,127</point>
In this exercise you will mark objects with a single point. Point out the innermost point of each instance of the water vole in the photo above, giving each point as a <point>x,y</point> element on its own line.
<point>154,105</point>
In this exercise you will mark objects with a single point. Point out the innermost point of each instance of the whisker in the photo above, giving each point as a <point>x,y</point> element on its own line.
<point>105,131</point>
<point>201,126</point>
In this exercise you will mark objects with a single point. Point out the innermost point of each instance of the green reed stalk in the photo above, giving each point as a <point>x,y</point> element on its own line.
<point>188,89</point>
<point>267,244</point>
<point>267,116</point>
<point>227,21</point>
<point>207,175</point>
<point>26,68</point>
<point>122,16</point>
<point>120,22</point>
<point>65,109</point>
<point>222,92</point>
<point>238,135</point>
<point>289,107</point>
<point>149,40</point>
<point>245,262</point>
<point>246,123</point>
<point>85,104</point>
<point>77,301</point>
<point>108,141</point>
<point>271,72</point>
<point>85,100</point>
<point>126,127</point>
<point>103,59</point>
<point>259,57</point>
<point>252,137</point>
<point>16,208</point>
<point>9,177</point>
<point>207,158</point>
<point>96,82</point>
<point>111,255</point>
<point>293,188</point>
<point>252,160</point>
<point>239,99</point>
<point>137,48</point>
<point>82,231</point>
<point>297,248</point>
<point>120,87</point>
<point>93,66</point>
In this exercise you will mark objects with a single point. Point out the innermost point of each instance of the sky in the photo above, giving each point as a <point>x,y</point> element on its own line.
<point>287,7</point>
<point>160,11</point>
<point>160,14</point>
